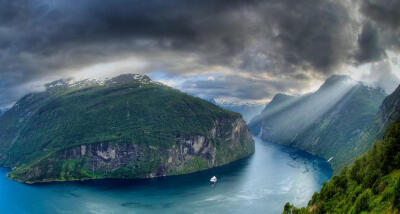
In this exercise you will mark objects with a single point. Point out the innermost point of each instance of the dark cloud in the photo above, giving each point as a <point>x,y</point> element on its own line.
<point>386,17</point>
<point>370,49</point>
<point>384,12</point>
<point>314,34</point>
<point>44,38</point>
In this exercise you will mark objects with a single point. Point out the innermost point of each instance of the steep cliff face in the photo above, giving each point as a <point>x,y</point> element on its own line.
<point>390,109</point>
<point>129,160</point>
<point>326,122</point>
<point>123,128</point>
<point>388,113</point>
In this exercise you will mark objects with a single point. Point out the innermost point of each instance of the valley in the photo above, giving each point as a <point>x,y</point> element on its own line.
<point>200,107</point>
<point>327,122</point>
<point>261,183</point>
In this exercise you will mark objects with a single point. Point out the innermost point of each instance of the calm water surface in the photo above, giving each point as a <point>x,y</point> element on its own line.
<point>262,183</point>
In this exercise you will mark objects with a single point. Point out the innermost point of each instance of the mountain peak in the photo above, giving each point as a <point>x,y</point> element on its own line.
<point>280,97</point>
<point>117,80</point>
<point>336,79</point>
<point>128,78</point>
<point>58,83</point>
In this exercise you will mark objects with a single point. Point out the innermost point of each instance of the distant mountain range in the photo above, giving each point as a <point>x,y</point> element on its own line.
<point>247,110</point>
<point>124,127</point>
<point>327,122</point>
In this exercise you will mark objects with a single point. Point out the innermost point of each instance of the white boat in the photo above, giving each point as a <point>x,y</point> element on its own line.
<point>213,179</point>
<point>330,159</point>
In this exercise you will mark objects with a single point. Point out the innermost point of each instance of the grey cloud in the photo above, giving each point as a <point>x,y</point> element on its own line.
<point>307,30</point>
<point>384,12</point>
<point>314,34</point>
<point>381,75</point>
<point>386,16</point>
<point>370,49</point>
<point>46,38</point>
<point>240,87</point>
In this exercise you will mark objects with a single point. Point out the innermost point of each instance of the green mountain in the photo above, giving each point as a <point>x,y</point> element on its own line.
<point>124,127</point>
<point>327,123</point>
<point>388,113</point>
<point>372,183</point>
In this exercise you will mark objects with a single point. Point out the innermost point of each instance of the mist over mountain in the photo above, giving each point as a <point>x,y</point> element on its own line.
<point>323,122</point>
<point>247,110</point>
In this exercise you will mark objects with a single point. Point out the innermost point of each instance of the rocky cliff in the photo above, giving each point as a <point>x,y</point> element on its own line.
<point>126,127</point>
<point>388,113</point>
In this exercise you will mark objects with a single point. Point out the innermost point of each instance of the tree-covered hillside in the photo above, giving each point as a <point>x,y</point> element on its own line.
<point>370,185</point>
<point>41,135</point>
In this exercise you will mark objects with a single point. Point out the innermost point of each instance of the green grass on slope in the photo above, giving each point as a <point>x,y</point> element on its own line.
<point>147,114</point>
<point>370,185</point>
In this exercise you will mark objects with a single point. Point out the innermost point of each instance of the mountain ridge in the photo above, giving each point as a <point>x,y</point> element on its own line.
<point>372,183</point>
<point>322,122</point>
<point>124,127</point>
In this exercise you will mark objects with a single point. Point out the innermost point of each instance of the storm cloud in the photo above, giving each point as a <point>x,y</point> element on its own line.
<point>370,48</point>
<point>240,87</point>
<point>297,41</point>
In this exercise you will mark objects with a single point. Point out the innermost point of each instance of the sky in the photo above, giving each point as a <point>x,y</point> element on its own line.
<point>240,50</point>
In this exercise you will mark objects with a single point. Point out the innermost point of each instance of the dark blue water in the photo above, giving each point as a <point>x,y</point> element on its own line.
<point>262,183</point>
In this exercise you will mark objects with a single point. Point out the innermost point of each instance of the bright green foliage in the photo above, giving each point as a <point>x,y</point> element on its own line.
<point>370,185</point>
<point>124,109</point>
<point>195,164</point>
<point>149,114</point>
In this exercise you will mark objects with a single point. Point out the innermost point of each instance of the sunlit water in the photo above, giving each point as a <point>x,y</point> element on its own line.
<point>262,183</point>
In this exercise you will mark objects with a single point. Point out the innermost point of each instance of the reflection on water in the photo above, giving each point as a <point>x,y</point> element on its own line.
<point>262,183</point>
